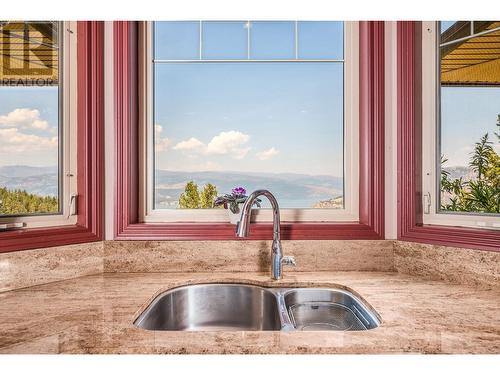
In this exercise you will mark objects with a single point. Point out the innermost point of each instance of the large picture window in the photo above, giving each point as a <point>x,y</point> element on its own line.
<point>37,128</point>
<point>462,113</point>
<point>257,104</point>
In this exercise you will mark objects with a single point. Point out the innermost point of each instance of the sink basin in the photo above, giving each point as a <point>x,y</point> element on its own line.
<point>212,307</point>
<point>242,307</point>
<point>328,310</point>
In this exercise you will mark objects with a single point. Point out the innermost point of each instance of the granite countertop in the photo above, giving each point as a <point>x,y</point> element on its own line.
<point>94,314</point>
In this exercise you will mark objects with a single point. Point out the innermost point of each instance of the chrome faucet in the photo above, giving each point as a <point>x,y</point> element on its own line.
<point>243,226</point>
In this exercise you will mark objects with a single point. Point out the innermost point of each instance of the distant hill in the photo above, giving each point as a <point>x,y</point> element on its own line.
<point>337,202</point>
<point>291,190</point>
<point>41,181</point>
<point>26,171</point>
<point>459,171</point>
<point>43,185</point>
<point>455,173</point>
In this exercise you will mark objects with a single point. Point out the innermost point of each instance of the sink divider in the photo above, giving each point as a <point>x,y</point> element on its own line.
<point>286,324</point>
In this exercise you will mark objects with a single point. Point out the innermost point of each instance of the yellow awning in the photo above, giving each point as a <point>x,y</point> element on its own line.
<point>472,61</point>
<point>29,53</point>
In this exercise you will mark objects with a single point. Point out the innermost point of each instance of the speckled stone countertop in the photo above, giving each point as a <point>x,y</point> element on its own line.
<point>94,314</point>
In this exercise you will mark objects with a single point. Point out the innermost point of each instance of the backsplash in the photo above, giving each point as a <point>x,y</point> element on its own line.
<point>33,267</point>
<point>246,256</point>
<point>22,269</point>
<point>455,265</point>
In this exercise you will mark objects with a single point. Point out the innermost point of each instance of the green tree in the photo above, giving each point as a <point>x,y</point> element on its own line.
<point>191,197</point>
<point>482,192</point>
<point>13,202</point>
<point>480,159</point>
<point>208,195</point>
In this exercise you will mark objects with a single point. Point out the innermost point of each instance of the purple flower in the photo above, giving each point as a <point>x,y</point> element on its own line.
<point>237,191</point>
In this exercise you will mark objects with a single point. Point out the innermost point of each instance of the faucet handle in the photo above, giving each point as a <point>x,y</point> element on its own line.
<point>288,261</point>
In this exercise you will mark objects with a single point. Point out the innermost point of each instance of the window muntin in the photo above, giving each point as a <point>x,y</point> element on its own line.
<point>221,83</point>
<point>37,134</point>
<point>462,67</point>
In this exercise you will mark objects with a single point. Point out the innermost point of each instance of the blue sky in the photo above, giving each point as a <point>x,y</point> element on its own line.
<point>445,25</point>
<point>295,109</point>
<point>257,116</point>
<point>270,117</point>
<point>467,114</point>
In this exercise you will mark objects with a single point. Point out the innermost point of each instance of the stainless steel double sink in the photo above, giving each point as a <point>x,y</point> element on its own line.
<point>243,307</point>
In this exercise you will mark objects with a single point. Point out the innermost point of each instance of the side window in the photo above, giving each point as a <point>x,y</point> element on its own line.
<point>36,141</point>
<point>467,113</point>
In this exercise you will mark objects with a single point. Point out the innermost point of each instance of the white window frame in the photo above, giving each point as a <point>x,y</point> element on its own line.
<point>430,139</point>
<point>350,212</point>
<point>68,133</point>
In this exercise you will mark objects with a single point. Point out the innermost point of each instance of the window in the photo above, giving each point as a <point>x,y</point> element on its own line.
<point>258,104</point>
<point>37,124</point>
<point>461,132</point>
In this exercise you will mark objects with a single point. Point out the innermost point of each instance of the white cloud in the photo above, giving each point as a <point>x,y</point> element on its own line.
<point>268,154</point>
<point>14,142</point>
<point>192,144</point>
<point>231,143</point>
<point>161,143</point>
<point>24,118</point>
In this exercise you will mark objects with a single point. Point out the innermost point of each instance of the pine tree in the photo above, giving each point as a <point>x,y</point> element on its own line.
<point>191,197</point>
<point>208,195</point>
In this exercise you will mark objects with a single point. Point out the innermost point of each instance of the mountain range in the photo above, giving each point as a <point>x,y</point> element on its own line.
<point>35,180</point>
<point>458,171</point>
<point>292,190</point>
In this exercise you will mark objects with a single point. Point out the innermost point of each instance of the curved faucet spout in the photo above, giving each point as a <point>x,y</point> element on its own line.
<point>242,229</point>
<point>243,226</point>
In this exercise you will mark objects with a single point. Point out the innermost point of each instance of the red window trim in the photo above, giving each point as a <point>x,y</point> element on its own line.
<point>89,227</point>
<point>371,192</point>
<point>410,218</point>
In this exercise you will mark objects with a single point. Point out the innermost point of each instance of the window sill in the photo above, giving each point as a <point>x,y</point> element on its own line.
<point>470,238</point>
<point>226,231</point>
<point>33,238</point>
